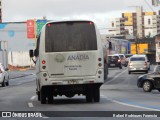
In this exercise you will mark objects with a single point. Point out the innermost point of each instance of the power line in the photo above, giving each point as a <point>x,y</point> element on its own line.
<point>149,5</point>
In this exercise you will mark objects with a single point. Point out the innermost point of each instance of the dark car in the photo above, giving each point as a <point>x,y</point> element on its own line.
<point>123,60</point>
<point>150,81</point>
<point>114,61</point>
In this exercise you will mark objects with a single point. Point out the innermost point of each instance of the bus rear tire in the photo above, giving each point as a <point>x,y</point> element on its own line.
<point>89,94</point>
<point>43,96</point>
<point>50,99</point>
<point>38,94</point>
<point>96,95</point>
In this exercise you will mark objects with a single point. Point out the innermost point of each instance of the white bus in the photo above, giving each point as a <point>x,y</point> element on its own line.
<point>69,61</point>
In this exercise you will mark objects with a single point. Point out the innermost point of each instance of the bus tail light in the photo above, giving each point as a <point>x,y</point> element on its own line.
<point>99,59</point>
<point>99,72</point>
<point>43,62</point>
<point>99,64</point>
<point>90,23</point>
<point>44,74</point>
<point>49,25</point>
<point>43,67</point>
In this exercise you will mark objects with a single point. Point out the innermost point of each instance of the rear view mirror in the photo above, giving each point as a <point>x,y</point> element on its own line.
<point>36,53</point>
<point>31,53</point>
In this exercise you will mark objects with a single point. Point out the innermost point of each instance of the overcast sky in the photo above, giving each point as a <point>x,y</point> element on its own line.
<point>97,10</point>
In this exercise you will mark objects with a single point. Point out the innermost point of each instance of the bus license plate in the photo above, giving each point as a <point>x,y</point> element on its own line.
<point>73,82</point>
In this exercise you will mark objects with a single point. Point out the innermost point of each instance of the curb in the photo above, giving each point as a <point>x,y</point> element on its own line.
<point>21,76</point>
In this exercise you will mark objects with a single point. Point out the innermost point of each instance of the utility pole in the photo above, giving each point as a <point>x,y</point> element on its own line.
<point>139,26</point>
<point>137,44</point>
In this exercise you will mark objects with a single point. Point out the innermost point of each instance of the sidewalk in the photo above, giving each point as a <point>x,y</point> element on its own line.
<point>17,73</point>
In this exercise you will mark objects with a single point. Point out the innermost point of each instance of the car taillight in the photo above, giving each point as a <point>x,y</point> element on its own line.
<point>119,60</point>
<point>130,64</point>
<point>145,63</point>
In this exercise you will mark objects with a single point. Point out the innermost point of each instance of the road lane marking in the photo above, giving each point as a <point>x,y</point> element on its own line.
<point>30,105</point>
<point>155,67</point>
<point>131,105</point>
<point>141,107</point>
<point>116,76</point>
<point>45,117</point>
<point>33,97</point>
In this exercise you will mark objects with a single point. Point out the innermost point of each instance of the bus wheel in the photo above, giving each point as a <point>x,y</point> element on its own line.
<point>49,93</point>
<point>89,94</point>
<point>69,95</point>
<point>96,95</point>
<point>43,96</point>
<point>50,99</point>
<point>38,94</point>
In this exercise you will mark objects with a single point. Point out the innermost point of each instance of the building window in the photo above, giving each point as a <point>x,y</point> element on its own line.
<point>112,24</point>
<point>149,21</point>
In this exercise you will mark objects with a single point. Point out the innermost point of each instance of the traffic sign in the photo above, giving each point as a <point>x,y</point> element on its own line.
<point>40,24</point>
<point>30,29</point>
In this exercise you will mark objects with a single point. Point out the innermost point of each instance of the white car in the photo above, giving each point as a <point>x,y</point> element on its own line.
<point>138,63</point>
<point>4,76</point>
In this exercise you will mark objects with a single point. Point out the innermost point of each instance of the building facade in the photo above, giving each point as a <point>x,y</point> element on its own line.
<point>116,26</point>
<point>138,24</point>
<point>0,11</point>
<point>151,25</point>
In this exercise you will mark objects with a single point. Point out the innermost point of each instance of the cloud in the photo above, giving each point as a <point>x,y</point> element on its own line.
<point>13,9</point>
<point>98,10</point>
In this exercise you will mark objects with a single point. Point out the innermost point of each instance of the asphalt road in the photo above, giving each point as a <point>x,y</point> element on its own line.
<point>119,93</point>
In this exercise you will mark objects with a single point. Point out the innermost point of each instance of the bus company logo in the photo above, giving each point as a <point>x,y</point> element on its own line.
<point>80,57</point>
<point>59,58</point>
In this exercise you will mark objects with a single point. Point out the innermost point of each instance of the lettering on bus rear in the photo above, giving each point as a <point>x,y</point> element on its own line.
<point>78,57</point>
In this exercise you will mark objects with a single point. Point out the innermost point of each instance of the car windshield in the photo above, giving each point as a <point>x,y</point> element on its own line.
<point>137,59</point>
<point>113,57</point>
<point>127,56</point>
<point>121,56</point>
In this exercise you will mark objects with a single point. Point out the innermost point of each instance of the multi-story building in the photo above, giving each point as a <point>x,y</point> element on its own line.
<point>130,23</point>
<point>0,11</point>
<point>151,25</point>
<point>139,24</point>
<point>116,26</point>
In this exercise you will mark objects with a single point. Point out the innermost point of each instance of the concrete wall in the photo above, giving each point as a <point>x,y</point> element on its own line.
<point>20,59</point>
<point>16,36</point>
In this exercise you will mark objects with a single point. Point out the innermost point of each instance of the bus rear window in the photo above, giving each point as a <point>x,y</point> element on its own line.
<point>70,36</point>
<point>137,59</point>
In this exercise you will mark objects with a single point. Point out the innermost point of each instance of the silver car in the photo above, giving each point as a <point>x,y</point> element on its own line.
<point>138,63</point>
<point>4,76</point>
